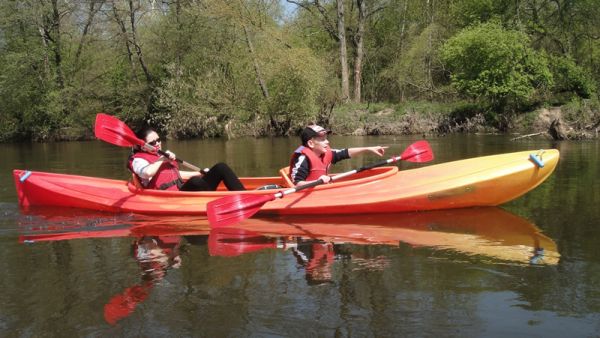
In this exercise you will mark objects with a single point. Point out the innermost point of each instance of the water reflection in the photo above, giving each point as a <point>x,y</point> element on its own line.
<point>491,233</point>
<point>155,255</point>
<point>320,246</point>
<point>487,232</point>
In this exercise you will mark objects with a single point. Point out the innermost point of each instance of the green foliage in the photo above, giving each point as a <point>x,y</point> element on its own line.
<point>582,113</point>
<point>295,84</point>
<point>488,62</point>
<point>473,12</point>
<point>569,77</point>
<point>186,107</point>
<point>189,71</point>
<point>416,72</point>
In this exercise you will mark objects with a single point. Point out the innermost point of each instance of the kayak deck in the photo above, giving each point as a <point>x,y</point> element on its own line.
<point>481,181</point>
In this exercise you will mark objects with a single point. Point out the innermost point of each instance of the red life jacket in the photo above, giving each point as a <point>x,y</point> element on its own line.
<point>166,178</point>
<point>319,165</point>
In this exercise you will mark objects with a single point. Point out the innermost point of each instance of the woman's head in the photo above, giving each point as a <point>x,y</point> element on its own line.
<point>150,136</point>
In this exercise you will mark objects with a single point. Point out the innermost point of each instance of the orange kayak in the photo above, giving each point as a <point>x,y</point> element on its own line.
<point>482,181</point>
<point>484,233</point>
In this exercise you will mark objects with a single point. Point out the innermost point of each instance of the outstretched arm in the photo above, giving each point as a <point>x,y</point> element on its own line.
<point>377,150</point>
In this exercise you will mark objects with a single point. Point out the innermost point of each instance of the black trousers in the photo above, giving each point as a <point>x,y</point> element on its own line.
<point>220,172</point>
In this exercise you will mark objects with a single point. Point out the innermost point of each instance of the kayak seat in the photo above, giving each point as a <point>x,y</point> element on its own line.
<point>285,176</point>
<point>269,187</point>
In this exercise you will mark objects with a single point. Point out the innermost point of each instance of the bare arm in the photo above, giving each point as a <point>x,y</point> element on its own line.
<point>186,175</point>
<point>151,169</point>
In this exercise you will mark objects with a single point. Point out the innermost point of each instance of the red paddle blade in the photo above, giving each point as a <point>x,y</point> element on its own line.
<point>419,151</point>
<point>112,130</point>
<point>235,208</point>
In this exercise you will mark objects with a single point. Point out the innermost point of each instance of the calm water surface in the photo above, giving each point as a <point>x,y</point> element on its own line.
<point>477,272</point>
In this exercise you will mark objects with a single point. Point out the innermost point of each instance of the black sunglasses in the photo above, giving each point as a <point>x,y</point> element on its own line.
<point>153,143</point>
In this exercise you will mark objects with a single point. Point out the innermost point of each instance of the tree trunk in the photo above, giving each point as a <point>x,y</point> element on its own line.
<point>121,24</point>
<point>401,46</point>
<point>430,8</point>
<point>359,50</point>
<point>57,44</point>
<point>138,49</point>
<point>343,50</point>
<point>261,82</point>
<point>93,10</point>
<point>44,37</point>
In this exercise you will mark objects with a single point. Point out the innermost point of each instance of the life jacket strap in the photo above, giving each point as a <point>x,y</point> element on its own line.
<point>167,185</point>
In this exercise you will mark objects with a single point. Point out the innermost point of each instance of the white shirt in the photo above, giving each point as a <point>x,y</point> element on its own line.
<point>138,165</point>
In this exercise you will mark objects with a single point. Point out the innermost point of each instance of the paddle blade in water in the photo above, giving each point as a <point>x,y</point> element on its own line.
<point>112,130</point>
<point>419,151</point>
<point>235,208</point>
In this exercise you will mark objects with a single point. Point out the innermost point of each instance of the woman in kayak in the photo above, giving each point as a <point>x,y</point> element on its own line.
<point>311,161</point>
<point>158,172</point>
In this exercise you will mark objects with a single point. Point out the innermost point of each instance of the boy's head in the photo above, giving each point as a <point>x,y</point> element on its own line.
<point>315,138</point>
<point>313,132</point>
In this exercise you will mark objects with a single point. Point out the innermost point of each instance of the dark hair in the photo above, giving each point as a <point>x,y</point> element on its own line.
<point>143,132</point>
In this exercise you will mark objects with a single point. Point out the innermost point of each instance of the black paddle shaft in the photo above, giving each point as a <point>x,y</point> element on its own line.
<point>373,165</point>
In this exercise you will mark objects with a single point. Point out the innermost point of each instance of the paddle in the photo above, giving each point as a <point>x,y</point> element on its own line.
<point>114,131</point>
<point>232,209</point>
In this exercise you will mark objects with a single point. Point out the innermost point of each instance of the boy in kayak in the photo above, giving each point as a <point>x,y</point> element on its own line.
<point>158,172</point>
<point>311,161</point>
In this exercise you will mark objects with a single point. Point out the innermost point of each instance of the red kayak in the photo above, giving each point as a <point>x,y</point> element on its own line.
<point>482,181</point>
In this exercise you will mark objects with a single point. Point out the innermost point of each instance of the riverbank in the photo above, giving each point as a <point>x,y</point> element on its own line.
<point>573,121</point>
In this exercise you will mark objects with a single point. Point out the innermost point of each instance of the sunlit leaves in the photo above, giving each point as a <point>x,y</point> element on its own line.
<point>490,62</point>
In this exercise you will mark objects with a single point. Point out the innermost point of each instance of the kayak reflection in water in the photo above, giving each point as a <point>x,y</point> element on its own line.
<point>315,256</point>
<point>155,255</point>
<point>154,171</point>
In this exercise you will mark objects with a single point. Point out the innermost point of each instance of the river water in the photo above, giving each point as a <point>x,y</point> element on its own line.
<point>528,268</point>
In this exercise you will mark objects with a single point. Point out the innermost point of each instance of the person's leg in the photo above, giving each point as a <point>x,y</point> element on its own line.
<point>221,172</point>
<point>196,183</point>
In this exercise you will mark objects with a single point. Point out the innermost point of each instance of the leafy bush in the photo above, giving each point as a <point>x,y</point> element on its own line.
<point>569,77</point>
<point>295,84</point>
<point>488,62</point>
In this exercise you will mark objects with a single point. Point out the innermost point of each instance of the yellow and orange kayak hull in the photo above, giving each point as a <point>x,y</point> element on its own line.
<point>482,181</point>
